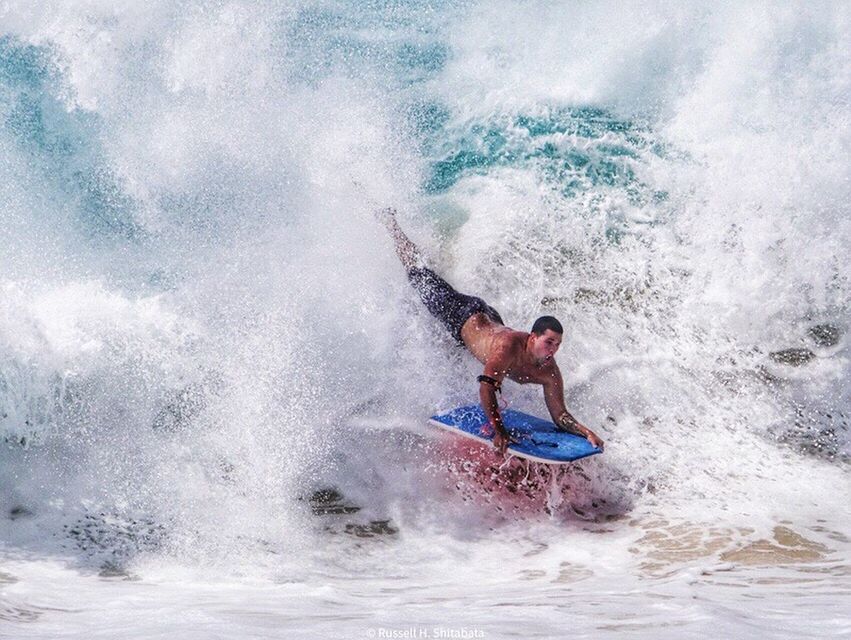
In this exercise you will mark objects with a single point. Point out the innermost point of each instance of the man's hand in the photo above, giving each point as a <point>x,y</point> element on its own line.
<point>589,435</point>
<point>568,423</point>
<point>501,440</point>
<point>594,439</point>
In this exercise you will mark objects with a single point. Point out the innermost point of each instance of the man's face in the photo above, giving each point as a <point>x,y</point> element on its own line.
<point>544,346</point>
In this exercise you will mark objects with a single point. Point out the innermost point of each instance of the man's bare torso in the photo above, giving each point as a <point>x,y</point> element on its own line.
<point>482,336</point>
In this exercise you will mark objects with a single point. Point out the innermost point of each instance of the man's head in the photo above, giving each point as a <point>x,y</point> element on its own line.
<point>545,338</point>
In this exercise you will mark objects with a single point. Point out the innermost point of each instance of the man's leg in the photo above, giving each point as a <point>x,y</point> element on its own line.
<point>439,297</point>
<point>407,251</point>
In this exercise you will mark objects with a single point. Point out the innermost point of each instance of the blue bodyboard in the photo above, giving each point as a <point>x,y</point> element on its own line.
<point>538,439</point>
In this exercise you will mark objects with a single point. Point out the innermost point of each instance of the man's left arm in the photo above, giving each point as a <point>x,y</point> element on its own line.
<point>554,398</point>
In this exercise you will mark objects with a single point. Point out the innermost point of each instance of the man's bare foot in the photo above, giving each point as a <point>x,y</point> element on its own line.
<point>405,249</point>
<point>387,217</point>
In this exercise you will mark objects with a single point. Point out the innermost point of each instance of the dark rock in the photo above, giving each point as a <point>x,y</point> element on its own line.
<point>330,502</point>
<point>373,528</point>
<point>825,335</point>
<point>326,495</point>
<point>793,357</point>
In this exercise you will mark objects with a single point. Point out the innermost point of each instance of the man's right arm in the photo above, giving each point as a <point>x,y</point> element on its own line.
<point>496,368</point>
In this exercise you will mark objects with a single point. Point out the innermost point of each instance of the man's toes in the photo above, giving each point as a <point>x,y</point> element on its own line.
<point>386,216</point>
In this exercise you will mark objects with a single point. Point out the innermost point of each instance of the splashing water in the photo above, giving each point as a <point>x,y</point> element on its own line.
<point>215,380</point>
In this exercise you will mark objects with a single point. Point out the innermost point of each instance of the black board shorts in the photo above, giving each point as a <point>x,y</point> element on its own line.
<point>453,309</point>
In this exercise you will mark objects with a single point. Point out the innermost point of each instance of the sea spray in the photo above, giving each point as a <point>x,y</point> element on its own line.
<point>202,328</point>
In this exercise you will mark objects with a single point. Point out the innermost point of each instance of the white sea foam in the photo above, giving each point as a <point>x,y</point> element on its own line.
<point>201,326</point>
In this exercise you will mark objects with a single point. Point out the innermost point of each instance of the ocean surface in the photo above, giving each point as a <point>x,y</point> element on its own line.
<point>215,379</point>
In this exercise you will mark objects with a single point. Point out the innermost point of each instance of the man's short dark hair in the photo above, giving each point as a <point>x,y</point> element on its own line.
<point>546,322</point>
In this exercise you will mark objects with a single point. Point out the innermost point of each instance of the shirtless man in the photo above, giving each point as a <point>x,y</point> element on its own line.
<point>520,356</point>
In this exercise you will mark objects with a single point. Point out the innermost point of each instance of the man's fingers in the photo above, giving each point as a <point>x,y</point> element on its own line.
<point>500,444</point>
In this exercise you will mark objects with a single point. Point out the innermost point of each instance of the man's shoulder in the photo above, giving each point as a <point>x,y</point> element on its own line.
<point>511,340</point>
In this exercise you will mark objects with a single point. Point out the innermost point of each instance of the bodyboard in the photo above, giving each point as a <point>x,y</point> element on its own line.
<point>538,440</point>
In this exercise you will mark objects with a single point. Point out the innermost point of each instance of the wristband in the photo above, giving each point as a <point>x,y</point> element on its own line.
<point>496,384</point>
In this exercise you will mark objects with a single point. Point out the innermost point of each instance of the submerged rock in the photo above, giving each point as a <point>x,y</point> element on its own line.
<point>628,298</point>
<point>19,511</point>
<point>7,578</point>
<point>553,301</point>
<point>115,537</point>
<point>188,403</point>
<point>820,433</point>
<point>183,407</point>
<point>112,570</point>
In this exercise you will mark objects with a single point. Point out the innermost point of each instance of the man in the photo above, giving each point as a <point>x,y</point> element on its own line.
<point>519,356</point>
